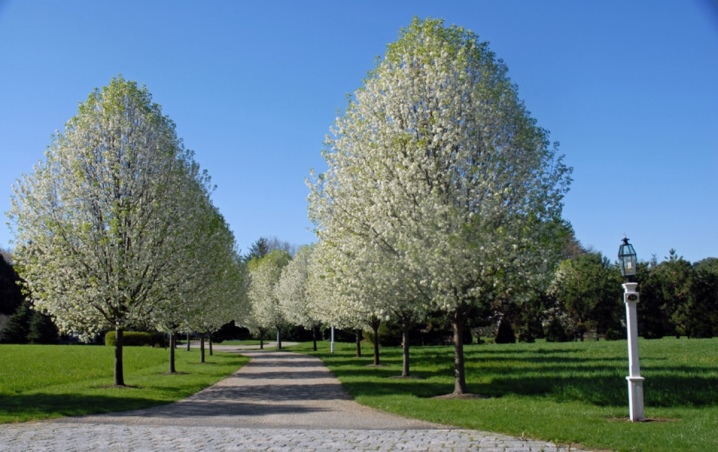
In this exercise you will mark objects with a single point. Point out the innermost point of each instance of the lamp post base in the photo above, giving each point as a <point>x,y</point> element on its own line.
<point>635,398</point>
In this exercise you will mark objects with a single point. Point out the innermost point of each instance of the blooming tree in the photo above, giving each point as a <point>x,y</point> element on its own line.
<point>266,311</point>
<point>209,282</point>
<point>361,286</point>
<point>99,221</point>
<point>333,295</point>
<point>438,166</point>
<point>293,293</point>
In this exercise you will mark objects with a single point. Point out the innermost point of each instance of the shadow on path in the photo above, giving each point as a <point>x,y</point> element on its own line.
<point>276,389</point>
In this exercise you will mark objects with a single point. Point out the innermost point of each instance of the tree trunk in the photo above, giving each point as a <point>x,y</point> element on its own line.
<point>173,344</point>
<point>405,348</point>
<point>211,351</point>
<point>457,321</point>
<point>261,339</point>
<point>201,348</point>
<point>188,338</point>
<point>314,336</point>
<point>358,341</point>
<point>279,340</point>
<point>119,341</point>
<point>375,323</point>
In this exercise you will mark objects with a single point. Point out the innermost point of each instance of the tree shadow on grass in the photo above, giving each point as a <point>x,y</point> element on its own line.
<point>22,407</point>
<point>596,381</point>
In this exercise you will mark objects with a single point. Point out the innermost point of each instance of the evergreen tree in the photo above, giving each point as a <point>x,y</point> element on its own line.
<point>42,329</point>
<point>258,249</point>
<point>10,294</point>
<point>18,325</point>
<point>505,334</point>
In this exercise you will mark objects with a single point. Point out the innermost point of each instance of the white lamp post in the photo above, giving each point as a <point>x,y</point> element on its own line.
<point>627,261</point>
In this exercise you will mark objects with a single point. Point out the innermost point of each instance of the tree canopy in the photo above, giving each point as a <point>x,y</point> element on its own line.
<point>438,166</point>
<point>104,224</point>
<point>265,273</point>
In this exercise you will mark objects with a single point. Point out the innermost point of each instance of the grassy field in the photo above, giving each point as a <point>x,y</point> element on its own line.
<point>46,381</point>
<point>570,393</point>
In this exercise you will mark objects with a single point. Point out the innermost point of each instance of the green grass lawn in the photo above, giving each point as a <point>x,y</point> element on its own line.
<point>570,393</point>
<point>47,381</point>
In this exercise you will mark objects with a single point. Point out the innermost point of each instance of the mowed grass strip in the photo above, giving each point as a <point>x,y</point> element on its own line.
<point>50,381</point>
<point>570,393</point>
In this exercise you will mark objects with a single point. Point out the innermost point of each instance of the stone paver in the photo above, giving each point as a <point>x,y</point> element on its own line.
<point>279,401</point>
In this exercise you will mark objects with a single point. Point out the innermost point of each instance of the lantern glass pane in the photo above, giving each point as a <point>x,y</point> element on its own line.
<point>627,259</point>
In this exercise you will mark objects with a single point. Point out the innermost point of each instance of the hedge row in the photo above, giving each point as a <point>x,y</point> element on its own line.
<point>141,338</point>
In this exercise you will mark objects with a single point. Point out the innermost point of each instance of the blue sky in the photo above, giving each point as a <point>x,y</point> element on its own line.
<point>629,89</point>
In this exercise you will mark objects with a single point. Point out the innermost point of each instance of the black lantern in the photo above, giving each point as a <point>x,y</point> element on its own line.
<point>627,260</point>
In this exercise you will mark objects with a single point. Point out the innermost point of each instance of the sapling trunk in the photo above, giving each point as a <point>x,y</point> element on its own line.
<point>173,344</point>
<point>405,348</point>
<point>457,320</point>
<point>375,323</point>
<point>119,342</point>
<point>314,336</point>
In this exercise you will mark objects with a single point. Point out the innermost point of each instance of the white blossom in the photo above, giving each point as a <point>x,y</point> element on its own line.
<point>437,173</point>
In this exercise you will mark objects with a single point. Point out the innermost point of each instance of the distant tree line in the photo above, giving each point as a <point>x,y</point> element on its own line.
<point>677,298</point>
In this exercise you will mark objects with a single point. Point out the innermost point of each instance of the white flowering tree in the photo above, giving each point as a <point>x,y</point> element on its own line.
<point>209,285</point>
<point>333,295</point>
<point>266,312</point>
<point>292,292</point>
<point>361,285</point>
<point>437,164</point>
<point>190,264</point>
<point>99,221</point>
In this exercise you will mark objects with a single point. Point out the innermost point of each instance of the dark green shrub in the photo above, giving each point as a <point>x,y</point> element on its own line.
<point>18,325</point>
<point>42,330</point>
<point>526,336</point>
<point>231,331</point>
<point>137,338</point>
<point>555,332</point>
<point>11,296</point>
<point>615,334</point>
<point>505,334</point>
<point>297,334</point>
<point>389,335</point>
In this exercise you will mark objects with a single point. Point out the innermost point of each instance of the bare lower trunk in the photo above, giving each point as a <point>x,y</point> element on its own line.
<point>405,348</point>
<point>201,348</point>
<point>314,336</point>
<point>211,352</point>
<point>261,339</point>
<point>119,342</point>
<point>279,340</point>
<point>457,321</point>
<point>375,323</point>
<point>188,338</point>
<point>173,344</point>
<point>358,341</point>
